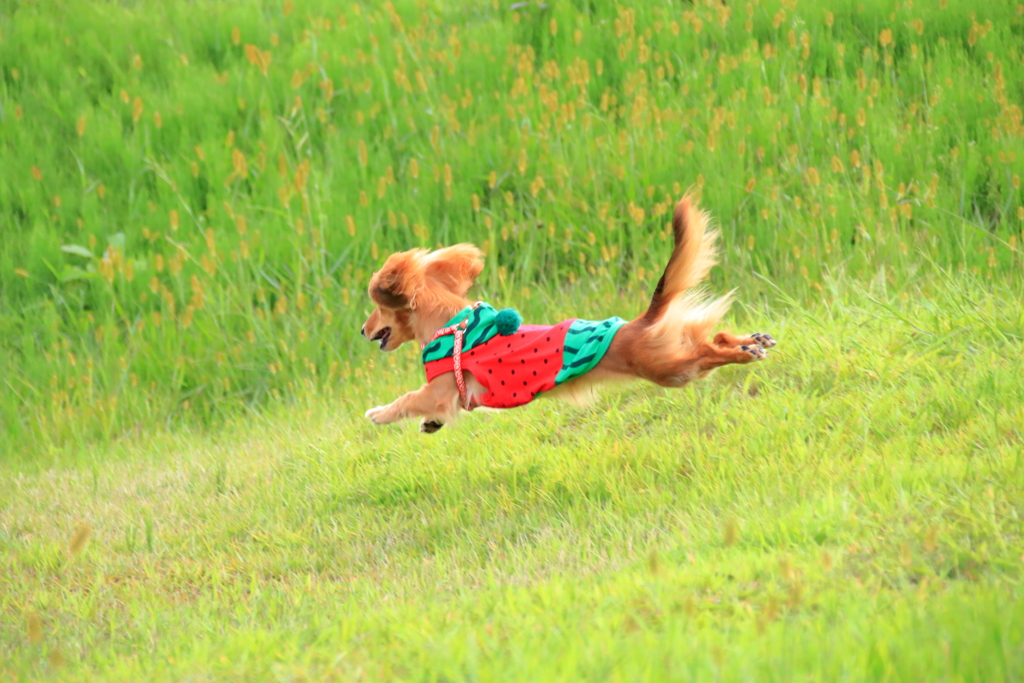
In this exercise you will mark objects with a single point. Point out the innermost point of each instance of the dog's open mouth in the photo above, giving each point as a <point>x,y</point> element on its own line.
<point>383,336</point>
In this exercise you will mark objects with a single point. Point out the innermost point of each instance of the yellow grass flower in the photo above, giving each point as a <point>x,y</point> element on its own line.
<point>80,539</point>
<point>239,164</point>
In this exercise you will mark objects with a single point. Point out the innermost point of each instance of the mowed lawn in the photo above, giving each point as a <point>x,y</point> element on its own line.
<point>849,509</point>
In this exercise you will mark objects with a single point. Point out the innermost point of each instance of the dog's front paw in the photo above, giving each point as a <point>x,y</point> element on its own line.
<point>430,426</point>
<point>766,341</point>
<point>376,415</point>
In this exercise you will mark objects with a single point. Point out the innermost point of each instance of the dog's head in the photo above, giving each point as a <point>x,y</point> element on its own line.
<point>416,288</point>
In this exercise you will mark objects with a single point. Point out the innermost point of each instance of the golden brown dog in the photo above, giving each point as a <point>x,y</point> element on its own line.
<point>418,292</point>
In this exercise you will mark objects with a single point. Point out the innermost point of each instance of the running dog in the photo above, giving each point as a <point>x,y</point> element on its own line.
<point>476,356</point>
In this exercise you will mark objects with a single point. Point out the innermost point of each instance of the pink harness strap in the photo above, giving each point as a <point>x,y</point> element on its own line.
<point>460,380</point>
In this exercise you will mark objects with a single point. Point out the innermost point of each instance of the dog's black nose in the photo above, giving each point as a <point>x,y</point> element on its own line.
<point>362,330</point>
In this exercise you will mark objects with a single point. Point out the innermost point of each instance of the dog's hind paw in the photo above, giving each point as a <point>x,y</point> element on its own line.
<point>766,341</point>
<point>755,350</point>
<point>430,426</point>
<point>376,415</point>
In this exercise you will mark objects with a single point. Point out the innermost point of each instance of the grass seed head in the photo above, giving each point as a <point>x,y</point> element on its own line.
<point>34,628</point>
<point>80,539</point>
<point>731,532</point>
<point>55,658</point>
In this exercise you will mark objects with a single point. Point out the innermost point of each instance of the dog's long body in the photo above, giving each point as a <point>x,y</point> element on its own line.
<point>418,292</point>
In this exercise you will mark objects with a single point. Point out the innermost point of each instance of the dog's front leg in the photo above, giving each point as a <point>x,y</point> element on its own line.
<point>436,402</point>
<point>392,412</point>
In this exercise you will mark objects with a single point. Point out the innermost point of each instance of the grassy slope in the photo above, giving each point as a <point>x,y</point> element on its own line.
<point>223,221</point>
<point>847,510</point>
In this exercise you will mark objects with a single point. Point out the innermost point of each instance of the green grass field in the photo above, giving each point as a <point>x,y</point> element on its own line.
<point>192,199</point>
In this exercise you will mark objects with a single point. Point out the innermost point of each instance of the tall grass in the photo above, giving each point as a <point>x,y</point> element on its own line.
<point>192,197</point>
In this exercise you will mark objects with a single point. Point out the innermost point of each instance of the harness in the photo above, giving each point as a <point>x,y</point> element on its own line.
<point>460,380</point>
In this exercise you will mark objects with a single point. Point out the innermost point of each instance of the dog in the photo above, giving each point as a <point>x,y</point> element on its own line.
<point>469,348</point>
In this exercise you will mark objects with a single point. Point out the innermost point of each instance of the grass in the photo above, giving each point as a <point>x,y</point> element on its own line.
<point>847,510</point>
<point>192,200</point>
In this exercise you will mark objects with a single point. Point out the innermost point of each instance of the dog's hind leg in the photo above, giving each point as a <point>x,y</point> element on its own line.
<point>761,339</point>
<point>707,357</point>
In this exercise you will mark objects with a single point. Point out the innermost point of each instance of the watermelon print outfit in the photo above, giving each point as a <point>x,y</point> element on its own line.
<point>515,363</point>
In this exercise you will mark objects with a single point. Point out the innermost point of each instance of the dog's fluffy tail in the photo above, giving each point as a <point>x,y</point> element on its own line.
<point>680,314</point>
<point>691,260</point>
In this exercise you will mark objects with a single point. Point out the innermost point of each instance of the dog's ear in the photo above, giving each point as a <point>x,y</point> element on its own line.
<point>455,268</point>
<point>395,285</point>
